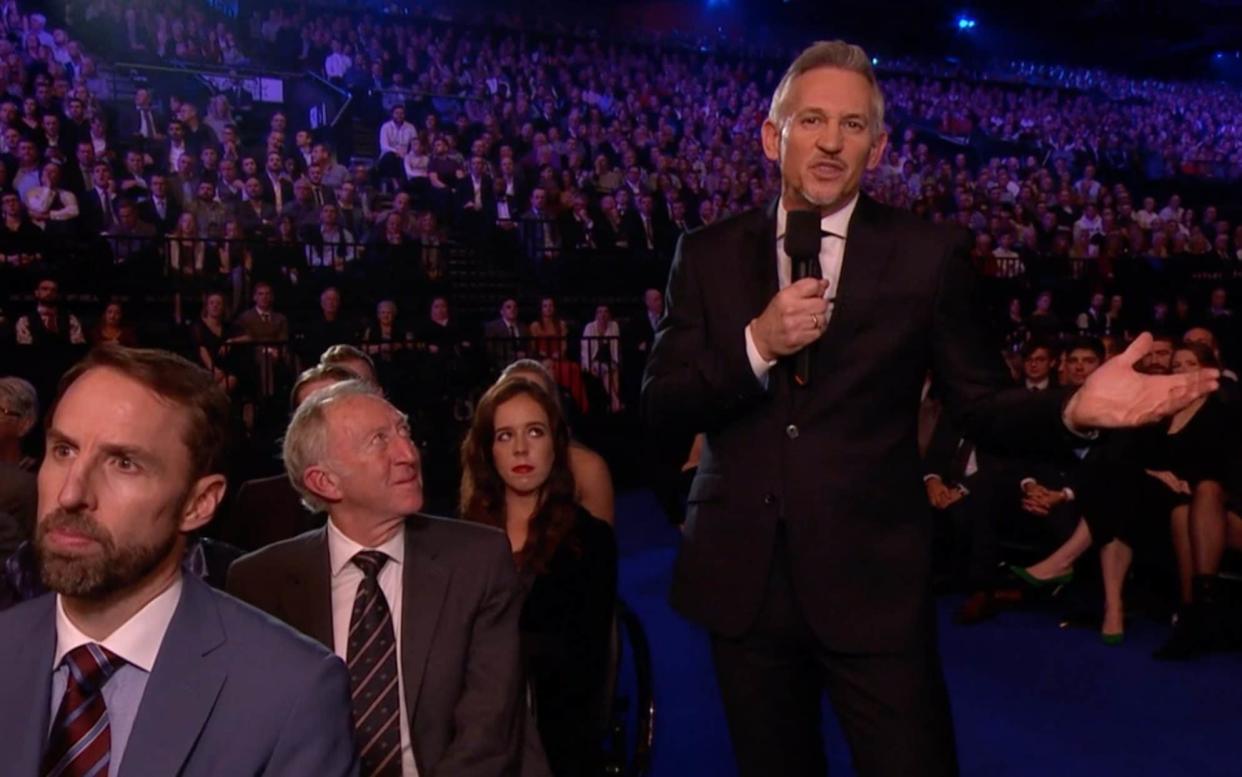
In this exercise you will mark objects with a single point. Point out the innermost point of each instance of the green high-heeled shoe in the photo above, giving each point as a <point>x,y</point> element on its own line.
<point>1035,582</point>
<point>1112,640</point>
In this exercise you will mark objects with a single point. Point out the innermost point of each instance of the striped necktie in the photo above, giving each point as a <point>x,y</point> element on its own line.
<point>80,743</point>
<point>372,658</point>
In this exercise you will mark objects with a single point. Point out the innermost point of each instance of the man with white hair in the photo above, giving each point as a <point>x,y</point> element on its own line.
<point>423,610</point>
<point>19,411</point>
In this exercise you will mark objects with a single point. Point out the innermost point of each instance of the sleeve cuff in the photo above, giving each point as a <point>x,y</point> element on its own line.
<point>758,365</point>
<point>1069,493</point>
<point>1024,482</point>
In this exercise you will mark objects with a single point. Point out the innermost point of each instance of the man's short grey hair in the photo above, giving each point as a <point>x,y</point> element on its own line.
<point>306,439</point>
<point>834,54</point>
<point>18,396</point>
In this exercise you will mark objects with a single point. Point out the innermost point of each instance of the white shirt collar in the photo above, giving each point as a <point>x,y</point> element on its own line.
<point>137,640</point>
<point>341,548</point>
<point>1038,384</point>
<point>837,223</point>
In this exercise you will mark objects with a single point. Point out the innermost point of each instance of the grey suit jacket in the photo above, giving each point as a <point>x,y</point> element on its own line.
<point>460,655</point>
<point>232,692</point>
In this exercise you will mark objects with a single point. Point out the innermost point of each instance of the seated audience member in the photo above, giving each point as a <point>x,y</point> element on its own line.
<point>328,326</point>
<point>52,207</point>
<point>19,412</point>
<point>601,354</point>
<point>550,342</point>
<point>1039,365</point>
<point>209,337</point>
<point>516,476</point>
<point>1161,465</point>
<point>268,510</point>
<point>505,336</point>
<point>113,328</point>
<point>440,330</point>
<point>151,667</point>
<point>266,332</point>
<point>384,336</point>
<point>420,608</point>
<point>591,475</point>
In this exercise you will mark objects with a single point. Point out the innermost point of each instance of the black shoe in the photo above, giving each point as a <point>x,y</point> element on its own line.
<point>1186,641</point>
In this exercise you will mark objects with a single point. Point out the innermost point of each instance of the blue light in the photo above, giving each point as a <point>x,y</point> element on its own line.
<point>875,60</point>
<point>1220,55</point>
<point>966,23</point>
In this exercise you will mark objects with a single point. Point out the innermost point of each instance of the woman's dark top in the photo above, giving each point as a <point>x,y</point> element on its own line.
<point>566,626</point>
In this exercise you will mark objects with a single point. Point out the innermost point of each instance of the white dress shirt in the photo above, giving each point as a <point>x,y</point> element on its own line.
<point>138,641</point>
<point>346,577</point>
<point>831,254</point>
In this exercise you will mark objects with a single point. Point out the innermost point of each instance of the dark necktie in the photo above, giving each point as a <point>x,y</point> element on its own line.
<point>372,659</point>
<point>80,742</point>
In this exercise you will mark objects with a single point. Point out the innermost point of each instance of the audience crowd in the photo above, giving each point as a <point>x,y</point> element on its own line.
<point>236,236</point>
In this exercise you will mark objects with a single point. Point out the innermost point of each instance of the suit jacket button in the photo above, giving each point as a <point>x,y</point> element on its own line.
<point>769,498</point>
<point>792,431</point>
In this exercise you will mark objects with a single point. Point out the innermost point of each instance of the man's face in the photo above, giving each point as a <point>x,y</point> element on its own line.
<point>206,192</point>
<point>47,293</point>
<point>537,199</point>
<point>263,297</point>
<point>114,489</point>
<point>329,216</point>
<point>274,163</point>
<point>654,301</point>
<point>1079,364</point>
<point>176,131</point>
<point>1159,358</point>
<point>1038,365</point>
<point>159,186</point>
<point>315,174</point>
<point>330,301</point>
<point>254,189</point>
<point>825,139</point>
<point>375,466</point>
<point>509,310</point>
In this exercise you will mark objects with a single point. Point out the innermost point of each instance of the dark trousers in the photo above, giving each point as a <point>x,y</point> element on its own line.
<point>894,708</point>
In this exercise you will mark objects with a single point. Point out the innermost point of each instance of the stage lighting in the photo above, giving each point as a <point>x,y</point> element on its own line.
<point>966,23</point>
<point>875,61</point>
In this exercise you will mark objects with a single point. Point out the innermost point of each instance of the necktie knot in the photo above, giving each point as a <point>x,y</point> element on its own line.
<point>91,666</point>
<point>370,562</point>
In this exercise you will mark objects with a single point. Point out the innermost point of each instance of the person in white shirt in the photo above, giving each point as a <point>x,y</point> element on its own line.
<point>601,353</point>
<point>395,139</point>
<point>336,63</point>
<point>48,203</point>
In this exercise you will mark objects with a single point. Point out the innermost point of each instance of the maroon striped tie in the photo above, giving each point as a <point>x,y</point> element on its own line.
<point>372,658</point>
<point>80,743</point>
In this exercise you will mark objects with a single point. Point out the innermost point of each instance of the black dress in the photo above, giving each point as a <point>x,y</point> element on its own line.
<point>1121,501</point>
<point>566,623</point>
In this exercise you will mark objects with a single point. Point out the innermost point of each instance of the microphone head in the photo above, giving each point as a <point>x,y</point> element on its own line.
<point>802,234</point>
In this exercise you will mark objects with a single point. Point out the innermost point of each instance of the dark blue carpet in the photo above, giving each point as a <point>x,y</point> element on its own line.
<point>1029,699</point>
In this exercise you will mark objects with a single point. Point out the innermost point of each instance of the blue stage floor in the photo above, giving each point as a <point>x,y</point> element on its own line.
<point>1029,699</point>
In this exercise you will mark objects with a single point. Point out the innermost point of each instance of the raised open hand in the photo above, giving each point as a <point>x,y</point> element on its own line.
<point>1117,396</point>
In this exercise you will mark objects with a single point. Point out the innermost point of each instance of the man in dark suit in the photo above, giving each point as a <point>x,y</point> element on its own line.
<point>506,336</point>
<point>152,669</point>
<point>97,208</point>
<point>806,545</point>
<point>160,209</point>
<point>475,196</point>
<point>424,610</point>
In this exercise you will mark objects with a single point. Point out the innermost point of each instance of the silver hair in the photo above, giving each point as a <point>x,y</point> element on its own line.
<point>833,54</point>
<point>306,439</point>
<point>18,396</point>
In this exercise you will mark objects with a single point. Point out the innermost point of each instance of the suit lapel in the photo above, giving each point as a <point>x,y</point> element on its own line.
<point>182,689</point>
<point>424,583</point>
<point>27,663</point>
<point>765,280</point>
<point>868,251</point>
<point>307,601</point>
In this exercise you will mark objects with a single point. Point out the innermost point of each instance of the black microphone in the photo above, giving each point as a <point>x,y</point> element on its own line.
<point>802,239</point>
